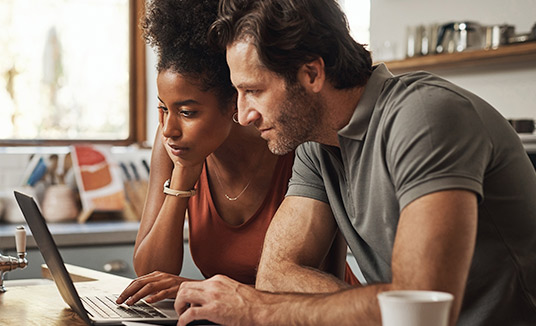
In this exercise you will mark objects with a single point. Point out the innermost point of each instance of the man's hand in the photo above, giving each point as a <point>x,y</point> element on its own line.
<point>158,285</point>
<point>220,300</point>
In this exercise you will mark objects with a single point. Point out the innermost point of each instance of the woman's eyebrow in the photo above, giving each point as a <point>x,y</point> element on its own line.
<point>181,103</point>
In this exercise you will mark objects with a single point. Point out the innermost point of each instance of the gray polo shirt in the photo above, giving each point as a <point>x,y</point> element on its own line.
<point>415,134</point>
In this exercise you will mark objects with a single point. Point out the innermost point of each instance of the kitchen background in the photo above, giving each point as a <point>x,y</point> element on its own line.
<point>509,86</point>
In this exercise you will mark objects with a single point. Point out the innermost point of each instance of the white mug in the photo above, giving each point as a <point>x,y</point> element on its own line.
<point>415,308</point>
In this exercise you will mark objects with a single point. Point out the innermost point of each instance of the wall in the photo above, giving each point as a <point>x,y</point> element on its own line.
<point>152,101</point>
<point>510,88</point>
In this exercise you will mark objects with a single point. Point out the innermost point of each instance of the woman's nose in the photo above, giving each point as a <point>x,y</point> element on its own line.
<point>170,126</point>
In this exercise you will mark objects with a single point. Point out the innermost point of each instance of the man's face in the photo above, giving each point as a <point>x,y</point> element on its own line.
<point>286,115</point>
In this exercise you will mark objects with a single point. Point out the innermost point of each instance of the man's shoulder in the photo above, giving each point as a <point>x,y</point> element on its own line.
<point>317,155</point>
<point>411,82</point>
<point>314,149</point>
<point>422,93</point>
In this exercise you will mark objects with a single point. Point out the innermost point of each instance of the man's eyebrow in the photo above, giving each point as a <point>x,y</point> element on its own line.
<point>181,103</point>
<point>246,85</point>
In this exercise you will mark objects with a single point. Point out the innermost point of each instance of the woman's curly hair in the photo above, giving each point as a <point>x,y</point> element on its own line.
<point>177,31</point>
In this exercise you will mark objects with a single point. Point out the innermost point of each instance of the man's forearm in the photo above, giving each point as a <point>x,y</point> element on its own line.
<point>294,278</point>
<point>356,306</point>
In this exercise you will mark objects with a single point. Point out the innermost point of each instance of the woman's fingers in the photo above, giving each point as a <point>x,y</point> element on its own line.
<point>150,284</point>
<point>168,293</point>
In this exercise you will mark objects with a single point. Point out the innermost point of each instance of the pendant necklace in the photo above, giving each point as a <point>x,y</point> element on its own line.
<point>221,184</point>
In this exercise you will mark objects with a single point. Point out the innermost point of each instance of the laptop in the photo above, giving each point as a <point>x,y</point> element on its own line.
<point>94,310</point>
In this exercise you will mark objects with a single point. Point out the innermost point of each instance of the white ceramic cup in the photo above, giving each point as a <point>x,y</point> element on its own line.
<point>415,308</point>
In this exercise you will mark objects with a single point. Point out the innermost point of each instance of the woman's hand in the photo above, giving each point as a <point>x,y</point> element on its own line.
<point>186,172</point>
<point>157,285</point>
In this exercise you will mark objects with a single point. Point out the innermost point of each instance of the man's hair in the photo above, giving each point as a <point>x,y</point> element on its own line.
<point>290,33</point>
<point>177,30</point>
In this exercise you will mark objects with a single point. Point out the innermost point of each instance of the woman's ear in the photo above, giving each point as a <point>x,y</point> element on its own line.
<point>232,106</point>
<point>312,75</point>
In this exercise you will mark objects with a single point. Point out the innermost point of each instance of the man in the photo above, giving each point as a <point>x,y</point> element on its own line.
<point>430,186</point>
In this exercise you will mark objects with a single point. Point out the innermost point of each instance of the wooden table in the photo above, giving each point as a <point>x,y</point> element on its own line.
<point>42,304</point>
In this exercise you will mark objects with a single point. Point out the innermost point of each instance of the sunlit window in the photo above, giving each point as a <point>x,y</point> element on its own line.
<point>358,14</point>
<point>64,69</point>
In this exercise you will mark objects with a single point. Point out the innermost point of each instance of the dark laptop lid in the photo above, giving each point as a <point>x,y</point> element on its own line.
<point>50,253</point>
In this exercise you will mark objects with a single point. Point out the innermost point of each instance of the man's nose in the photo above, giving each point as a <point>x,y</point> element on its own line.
<point>247,114</point>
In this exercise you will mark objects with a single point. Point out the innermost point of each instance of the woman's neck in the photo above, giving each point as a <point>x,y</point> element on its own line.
<point>243,148</point>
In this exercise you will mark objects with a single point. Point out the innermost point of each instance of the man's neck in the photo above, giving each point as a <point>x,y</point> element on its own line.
<point>340,106</point>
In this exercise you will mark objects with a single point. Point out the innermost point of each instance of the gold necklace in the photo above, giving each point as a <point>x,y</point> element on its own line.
<point>216,168</point>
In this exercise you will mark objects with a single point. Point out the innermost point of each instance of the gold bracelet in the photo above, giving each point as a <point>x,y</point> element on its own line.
<point>178,193</point>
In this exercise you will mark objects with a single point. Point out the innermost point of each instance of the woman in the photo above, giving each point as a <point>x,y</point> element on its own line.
<point>238,183</point>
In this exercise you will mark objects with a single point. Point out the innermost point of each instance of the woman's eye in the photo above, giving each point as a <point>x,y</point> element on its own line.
<point>187,113</point>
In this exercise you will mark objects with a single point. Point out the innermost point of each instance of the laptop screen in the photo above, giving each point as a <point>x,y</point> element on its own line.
<point>50,253</point>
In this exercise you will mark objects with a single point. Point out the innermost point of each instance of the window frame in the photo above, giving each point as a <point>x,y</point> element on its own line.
<point>137,93</point>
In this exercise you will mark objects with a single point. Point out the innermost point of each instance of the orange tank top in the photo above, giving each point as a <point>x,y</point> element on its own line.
<point>220,248</point>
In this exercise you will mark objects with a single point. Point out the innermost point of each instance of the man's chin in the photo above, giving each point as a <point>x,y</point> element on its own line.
<point>278,148</point>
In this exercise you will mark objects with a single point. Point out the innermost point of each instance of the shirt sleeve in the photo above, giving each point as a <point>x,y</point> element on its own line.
<point>435,141</point>
<point>306,180</point>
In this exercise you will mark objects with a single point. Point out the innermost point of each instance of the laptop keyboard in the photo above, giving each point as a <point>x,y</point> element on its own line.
<point>106,307</point>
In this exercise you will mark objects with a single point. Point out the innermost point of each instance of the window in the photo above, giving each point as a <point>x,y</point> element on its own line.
<point>71,70</point>
<point>358,15</point>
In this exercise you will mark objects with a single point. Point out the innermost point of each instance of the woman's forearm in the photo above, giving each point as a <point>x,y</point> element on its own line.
<point>159,240</point>
<point>160,248</point>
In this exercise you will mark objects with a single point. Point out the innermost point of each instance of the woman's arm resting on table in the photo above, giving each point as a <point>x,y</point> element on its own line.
<point>433,250</point>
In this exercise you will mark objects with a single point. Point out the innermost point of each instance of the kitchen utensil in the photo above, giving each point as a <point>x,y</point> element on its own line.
<point>414,40</point>
<point>459,37</point>
<point>523,125</point>
<point>429,39</point>
<point>524,37</point>
<point>52,168</point>
<point>497,35</point>
<point>39,171</point>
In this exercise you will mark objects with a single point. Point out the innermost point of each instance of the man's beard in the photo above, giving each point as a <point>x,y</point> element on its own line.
<point>299,120</point>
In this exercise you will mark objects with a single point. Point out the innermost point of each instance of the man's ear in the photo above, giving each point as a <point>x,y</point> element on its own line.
<point>312,75</point>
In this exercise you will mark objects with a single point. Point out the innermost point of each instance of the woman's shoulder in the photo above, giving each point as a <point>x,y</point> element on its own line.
<point>286,161</point>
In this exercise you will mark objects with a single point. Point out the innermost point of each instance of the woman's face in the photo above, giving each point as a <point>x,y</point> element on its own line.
<point>194,122</point>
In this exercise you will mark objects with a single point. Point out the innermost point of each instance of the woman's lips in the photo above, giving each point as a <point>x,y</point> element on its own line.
<point>177,150</point>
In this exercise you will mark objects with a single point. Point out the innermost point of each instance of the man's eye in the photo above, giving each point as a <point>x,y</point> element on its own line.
<point>163,109</point>
<point>252,91</point>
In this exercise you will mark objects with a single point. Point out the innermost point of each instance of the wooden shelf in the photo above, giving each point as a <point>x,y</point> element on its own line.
<point>523,52</point>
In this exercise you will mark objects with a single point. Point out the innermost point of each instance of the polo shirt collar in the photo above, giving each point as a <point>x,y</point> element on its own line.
<point>358,124</point>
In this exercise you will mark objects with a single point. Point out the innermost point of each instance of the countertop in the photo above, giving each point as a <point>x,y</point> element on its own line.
<point>76,234</point>
<point>43,305</point>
